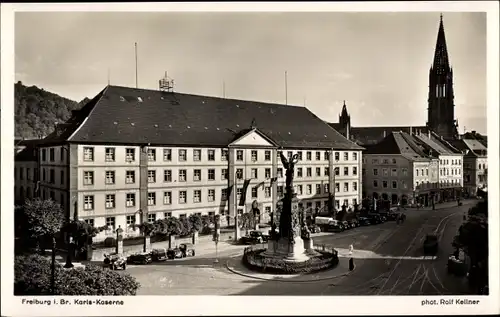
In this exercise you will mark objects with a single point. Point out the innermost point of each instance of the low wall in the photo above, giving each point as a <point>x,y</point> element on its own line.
<point>98,254</point>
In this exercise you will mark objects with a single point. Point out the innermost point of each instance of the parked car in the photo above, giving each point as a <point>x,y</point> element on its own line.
<point>174,253</point>
<point>431,244</point>
<point>364,221</point>
<point>346,225</point>
<point>254,237</point>
<point>374,218</point>
<point>159,254</point>
<point>140,258</point>
<point>115,261</point>
<point>353,223</point>
<point>329,224</point>
<point>187,249</point>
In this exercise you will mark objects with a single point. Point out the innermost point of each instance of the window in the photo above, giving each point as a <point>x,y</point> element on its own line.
<point>211,155</point>
<point>267,173</point>
<point>211,195</point>
<point>299,189</point>
<point>52,155</point>
<point>224,155</point>
<point>239,155</point>
<point>309,155</point>
<point>317,205</point>
<point>52,194</point>
<point>223,194</point>
<point>279,172</point>
<point>337,187</point>
<point>386,172</point>
<point>299,172</point>
<point>254,173</point>
<point>167,214</point>
<point>90,222</point>
<point>254,192</point>
<point>426,172</point>
<point>346,202</point>
<point>110,154</point>
<point>279,191</point>
<point>309,172</point>
<point>129,155</point>
<point>309,189</point>
<point>375,183</point>
<point>88,154</point>
<point>386,161</point>
<point>318,156</point>
<point>44,154</point>
<point>416,172</point>
<point>167,155</point>
<point>393,161</point>
<point>239,173</point>
<point>326,188</point>
<point>346,186</point>
<point>110,201</point>
<point>354,156</point>
<point>299,153</point>
<point>130,177</point>
<point>384,184</point>
<point>289,154</point>
<point>88,202</point>
<point>151,155</point>
<point>43,174</point>
<point>151,199</point>
<point>267,155</point>
<point>404,171</point>
<point>337,156</point>
<point>182,197</point>
<point>196,155</point>
<point>239,191</point>
<point>254,156</point>
<point>197,175</point>
<point>151,176</point>
<point>224,173</point>
<point>375,172</point>
<point>110,223</point>
<point>197,196</point>
<point>130,220</point>
<point>267,192</point>
<point>374,161</point>
<point>363,171</point>
<point>167,198</point>
<point>346,156</point>
<point>318,189</point>
<point>52,176</point>
<point>318,171</point>
<point>110,177</point>
<point>267,210</point>
<point>422,172</point>
<point>346,171</point>
<point>354,186</point>
<point>337,171</point>
<point>394,172</point>
<point>88,178</point>
<point>151,218</point>
<point>327,156</point>
<point>354,170</point>
<point>211,174</point>
<point>28,174</point>
<point>182,155</point>
<point>130,202</point>
<point>182,175</point>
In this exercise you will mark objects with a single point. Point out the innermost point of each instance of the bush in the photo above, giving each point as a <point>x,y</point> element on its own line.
<point>32,276</point>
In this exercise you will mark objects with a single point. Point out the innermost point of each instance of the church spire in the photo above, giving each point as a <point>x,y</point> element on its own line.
<point>441,61</point>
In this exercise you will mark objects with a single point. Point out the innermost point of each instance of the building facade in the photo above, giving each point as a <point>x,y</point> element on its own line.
<point>475,166</point>
<point>127,176</point>
<point>25,174</point>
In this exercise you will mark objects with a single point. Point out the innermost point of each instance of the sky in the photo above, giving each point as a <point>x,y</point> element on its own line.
<point>377,62</point>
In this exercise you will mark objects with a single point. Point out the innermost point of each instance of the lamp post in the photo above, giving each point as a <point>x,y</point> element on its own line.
<point>53,267</point>
<point>216,239</point>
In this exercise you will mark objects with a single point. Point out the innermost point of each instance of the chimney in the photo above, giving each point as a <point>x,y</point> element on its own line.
<point>411,130</point>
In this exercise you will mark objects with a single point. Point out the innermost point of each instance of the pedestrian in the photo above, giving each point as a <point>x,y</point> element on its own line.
<point>351,249</point>
<point>351,264</point>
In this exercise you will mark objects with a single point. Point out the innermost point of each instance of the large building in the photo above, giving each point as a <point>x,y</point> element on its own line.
<point>440,111</point>
<point>133,155</point>
<point>411,168</point>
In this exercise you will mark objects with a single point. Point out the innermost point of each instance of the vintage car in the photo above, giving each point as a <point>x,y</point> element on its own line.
<point>431,244</point>
<point>140,258</point>
<point>182,251</point>
<point>314,229</point>
<point>254,237</point>
<point>364,221</point>
<point>346,225</point>
<point>353,222</point>
<point>115,261</point>
<point>159,254</point>
<point>374,218</point>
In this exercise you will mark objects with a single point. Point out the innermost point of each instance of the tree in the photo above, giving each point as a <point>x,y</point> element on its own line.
<point>196,222</point>
<point>40,220</point>
<point>82,234</point>
<point>32,277</point>
<point>342,213</point>
<point>247,222</point>
<point>186,226</point>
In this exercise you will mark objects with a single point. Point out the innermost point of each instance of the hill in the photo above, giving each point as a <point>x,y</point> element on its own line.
<point>37,111</point>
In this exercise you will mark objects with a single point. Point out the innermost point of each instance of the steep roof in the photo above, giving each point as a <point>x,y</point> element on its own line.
<point>398,143</point>
<point>122,115</point>
<point>373,135</point>
<point>437,144</point>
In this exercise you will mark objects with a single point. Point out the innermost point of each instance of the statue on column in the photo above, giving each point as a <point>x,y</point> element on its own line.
<point>288,223</point>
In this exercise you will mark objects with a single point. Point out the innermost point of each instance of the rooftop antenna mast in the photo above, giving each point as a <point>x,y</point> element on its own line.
<point>166,84</point>
<point>136,81</point>
<point>286,88</point>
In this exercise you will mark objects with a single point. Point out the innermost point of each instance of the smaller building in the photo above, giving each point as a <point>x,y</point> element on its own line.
<point>475,174</point>
<point>25,174</point>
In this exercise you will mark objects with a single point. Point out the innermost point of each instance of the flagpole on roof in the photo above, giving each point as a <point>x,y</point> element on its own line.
<point>136,81</point>
<point>224,89</point>
<point>286,88</point>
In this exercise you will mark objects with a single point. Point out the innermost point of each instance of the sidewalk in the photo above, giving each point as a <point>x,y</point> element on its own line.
<point>445,205</point>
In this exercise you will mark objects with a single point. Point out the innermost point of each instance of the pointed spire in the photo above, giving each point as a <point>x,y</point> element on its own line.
<point>441,62</point>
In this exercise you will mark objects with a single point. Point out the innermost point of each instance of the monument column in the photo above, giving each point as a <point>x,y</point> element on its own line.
<point>331,182</point>
<point>232,192</point>
<point>274,186</point>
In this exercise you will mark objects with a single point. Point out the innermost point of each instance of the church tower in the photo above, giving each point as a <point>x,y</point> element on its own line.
<point>345,122</point>
<point>441,110</point>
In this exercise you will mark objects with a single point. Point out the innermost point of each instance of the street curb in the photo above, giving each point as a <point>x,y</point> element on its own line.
<point>283,280</point>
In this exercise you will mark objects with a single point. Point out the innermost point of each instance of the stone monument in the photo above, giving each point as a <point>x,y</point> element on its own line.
<point>287,243</point>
